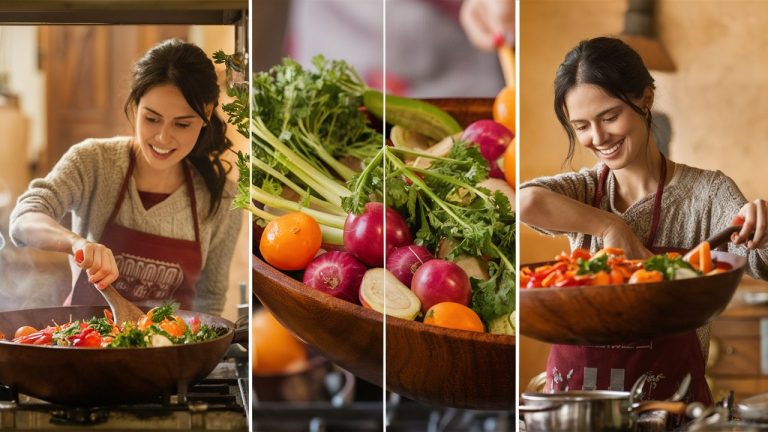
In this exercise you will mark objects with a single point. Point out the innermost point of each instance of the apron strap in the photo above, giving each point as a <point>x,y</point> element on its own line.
<point>656,217</point>
<point>124,190</point>
<point>191,192</point>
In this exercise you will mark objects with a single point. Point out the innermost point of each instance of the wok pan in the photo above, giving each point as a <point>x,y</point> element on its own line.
<point>96,376</point>
<point>589,315</point>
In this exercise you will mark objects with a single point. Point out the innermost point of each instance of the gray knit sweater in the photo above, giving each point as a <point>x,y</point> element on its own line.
<point>696,204</point>
<point>86,182</point>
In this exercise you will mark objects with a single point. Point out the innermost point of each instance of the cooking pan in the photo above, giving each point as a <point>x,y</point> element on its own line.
<point>104,376</point>
<point>593,410</point>
<point>589,315</point>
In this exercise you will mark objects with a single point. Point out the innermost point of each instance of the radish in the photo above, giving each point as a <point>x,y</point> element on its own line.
<point>492,138</point>
<point>439,281</point>
<point>364,233</point>
<point>404,261</point>
<point>336,273</point>
<point>401,302</point>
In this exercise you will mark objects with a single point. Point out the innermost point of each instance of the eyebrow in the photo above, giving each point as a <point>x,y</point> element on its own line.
<point>600,114</point>
<point>191,116</point>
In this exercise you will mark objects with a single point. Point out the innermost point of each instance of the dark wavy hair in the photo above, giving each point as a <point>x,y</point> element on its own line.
<point>608,63</point>
<point>187,67</point>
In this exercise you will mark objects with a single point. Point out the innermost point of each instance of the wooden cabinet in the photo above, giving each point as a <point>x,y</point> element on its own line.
<point>738,356</point>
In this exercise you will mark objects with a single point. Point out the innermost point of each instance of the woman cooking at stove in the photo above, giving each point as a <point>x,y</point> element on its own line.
<point>635,199</point>
<point>150,212</point>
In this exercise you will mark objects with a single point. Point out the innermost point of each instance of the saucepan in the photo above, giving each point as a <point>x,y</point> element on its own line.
<point>598,410</point>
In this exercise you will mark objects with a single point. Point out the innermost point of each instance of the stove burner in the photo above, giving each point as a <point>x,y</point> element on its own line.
<point>216,403</point>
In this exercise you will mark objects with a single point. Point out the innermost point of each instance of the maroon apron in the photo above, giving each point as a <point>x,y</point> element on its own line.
<point>665,360</point>
<point>152,268</point>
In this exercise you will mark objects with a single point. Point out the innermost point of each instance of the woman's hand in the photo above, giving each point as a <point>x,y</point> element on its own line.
<point>755,220</point>
<point>618,234</point>
<point>485,20</point>
<point>97,261</point>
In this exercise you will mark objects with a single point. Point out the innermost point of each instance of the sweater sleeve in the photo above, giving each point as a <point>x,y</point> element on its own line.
<point>579,186</point>
<point>214,280</point>
<point>727,201</point>
<point>66,188</point>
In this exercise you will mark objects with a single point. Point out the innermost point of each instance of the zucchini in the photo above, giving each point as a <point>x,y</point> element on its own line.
<point>412,114</point>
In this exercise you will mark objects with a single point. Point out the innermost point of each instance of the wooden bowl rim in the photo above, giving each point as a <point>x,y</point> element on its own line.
<point>361,312</point>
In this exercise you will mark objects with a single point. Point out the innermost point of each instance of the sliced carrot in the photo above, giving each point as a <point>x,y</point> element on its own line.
<point>673,255</point>
<point>643,276</point>
<point>613,251</point>
<point>617,276</point>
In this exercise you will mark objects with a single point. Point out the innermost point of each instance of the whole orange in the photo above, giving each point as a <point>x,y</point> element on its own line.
<point>455,316</point>
<point>274,349</point>
<point>509,163</point>
<point>291,241</point>
<point>504,108</point>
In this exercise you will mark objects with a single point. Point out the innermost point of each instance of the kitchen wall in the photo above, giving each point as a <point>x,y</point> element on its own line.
<point>211,39</point>
<point>33,278</point>
<point>716,98</point>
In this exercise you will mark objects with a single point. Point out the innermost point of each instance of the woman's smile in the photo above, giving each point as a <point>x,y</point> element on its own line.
<point>611,151</point>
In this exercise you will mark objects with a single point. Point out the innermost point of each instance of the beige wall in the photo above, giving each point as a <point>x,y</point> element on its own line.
<point>211,39</point>
<point>716,98</point>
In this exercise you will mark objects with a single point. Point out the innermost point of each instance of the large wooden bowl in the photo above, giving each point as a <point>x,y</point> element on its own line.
<point>592,315</point>
<point>430,364</point>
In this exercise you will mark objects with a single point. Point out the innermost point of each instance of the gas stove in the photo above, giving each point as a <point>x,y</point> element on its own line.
<point>216,403</point>
<point>364,412</point>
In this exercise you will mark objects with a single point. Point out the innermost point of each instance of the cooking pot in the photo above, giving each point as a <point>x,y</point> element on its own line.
<point>753,412</point>
<point>102,376</point>
<point>598,410</point>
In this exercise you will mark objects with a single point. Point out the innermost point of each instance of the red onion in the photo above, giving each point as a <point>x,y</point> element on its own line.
<point>336,273</point>
<point>364,233</point>
<point>439,281</point>
<point>404,261</point>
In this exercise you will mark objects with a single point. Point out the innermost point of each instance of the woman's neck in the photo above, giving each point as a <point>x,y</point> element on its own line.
<point>149,179</point>
<point>640,179</point>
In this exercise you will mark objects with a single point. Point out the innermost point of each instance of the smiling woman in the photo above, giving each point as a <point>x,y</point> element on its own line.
<point>150,212</point>
<point>634,199</point>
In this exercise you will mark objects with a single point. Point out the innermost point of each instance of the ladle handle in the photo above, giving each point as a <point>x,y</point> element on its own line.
<point>672,407</point>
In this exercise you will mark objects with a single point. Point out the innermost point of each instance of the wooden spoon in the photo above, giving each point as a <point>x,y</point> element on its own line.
<point>122,310</point>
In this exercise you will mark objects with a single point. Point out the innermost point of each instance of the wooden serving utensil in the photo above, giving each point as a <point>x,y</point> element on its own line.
<point>507,61</point>
<point>122,309</point>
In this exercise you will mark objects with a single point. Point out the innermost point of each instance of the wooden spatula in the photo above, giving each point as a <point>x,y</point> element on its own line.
<point>122,309</point>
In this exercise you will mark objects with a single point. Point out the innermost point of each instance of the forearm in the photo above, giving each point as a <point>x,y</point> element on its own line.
<point>552,211</point>
<point>41,231</point>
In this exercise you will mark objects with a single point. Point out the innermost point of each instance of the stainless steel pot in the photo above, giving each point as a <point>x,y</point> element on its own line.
<point>592,411</point>
<point>577,411</point>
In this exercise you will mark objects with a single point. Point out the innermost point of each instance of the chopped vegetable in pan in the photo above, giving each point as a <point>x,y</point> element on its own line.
<point>160,327</point>
<point>610,267</point>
